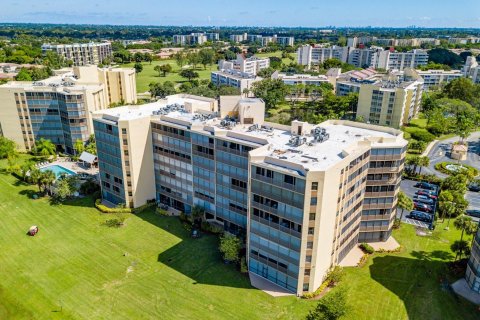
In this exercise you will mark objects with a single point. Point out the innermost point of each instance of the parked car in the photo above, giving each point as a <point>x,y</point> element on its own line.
<point>421,216</point>
<point>425,185</point>
<point>422,207</point>
<point>473,213</point>
<point>428,193</point>
<point>474,187</point>
<point>423,199</point>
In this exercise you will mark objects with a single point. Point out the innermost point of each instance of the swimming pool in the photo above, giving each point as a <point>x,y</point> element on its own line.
<point>58,170</point>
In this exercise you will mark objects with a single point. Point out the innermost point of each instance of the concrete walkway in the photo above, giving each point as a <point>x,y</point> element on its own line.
<point>390,244</point>
<point>352,258</point>
<point>268,286</point>
<point>462,289</point>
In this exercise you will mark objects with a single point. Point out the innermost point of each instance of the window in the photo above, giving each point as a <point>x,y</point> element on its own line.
<point>124,131</point>
<point>305,287</point>
<point>308,259</point>
<point>130,193</point>
<point>307,272</point>
<point>289,179</point>
<point>312,216</point>
<point>310,245</point>
<point>313,201</point>
<point>125,152</point>
<point>314,185</point>
<point>125,142</point>
<point>311,230</point>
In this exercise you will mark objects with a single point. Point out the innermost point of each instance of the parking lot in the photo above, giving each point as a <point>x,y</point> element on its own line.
<point>408,188</point>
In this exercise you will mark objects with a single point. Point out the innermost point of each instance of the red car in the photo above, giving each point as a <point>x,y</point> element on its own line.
<point>422,207</point>
<point>427,194</point>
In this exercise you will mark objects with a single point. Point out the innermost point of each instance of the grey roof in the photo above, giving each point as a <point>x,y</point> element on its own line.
<point>88,157</point>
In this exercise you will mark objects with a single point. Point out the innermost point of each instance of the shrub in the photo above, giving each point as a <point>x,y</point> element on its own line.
<point>334,276</point>
<point>212,228</point>
<point>89,187</point>
<point>116,222</point>
<point>396,224</point>
<point>317,292</point>
<point>162,212</point>
<point>103,208</point>
<point>442,167</point>
<point>367,248</point>
<point>230,247</point>
<point>243,265</point>
<point>422,135</point>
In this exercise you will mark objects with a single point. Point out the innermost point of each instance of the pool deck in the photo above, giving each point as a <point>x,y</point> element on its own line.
<point>77,167</point>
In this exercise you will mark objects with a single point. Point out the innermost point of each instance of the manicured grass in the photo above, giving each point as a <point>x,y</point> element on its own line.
<point>420,123</point>
<point>278,54</point>
<point>148,75</point>
<point>408,285</point>
<point>78,268</point>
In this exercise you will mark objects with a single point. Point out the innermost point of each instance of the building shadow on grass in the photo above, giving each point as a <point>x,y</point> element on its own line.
<point>421,282</point>
<point>199,258</point>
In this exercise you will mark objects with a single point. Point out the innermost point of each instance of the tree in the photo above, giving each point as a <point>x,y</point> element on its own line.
<point>193,59</point>
<point>228,91</point>
<point>266,72</point>
<point>459,247</point>
<point>462,89</point>
<point>161,90</point>
<point>23,75</point>
<point>164,69</point>
<point>45,147</point>
<point>189,74</point>
<point>445,56</point>
<point>230,247</point>
<point>331,307</point>
<point>423,162</point>
<point>404,203</point>
<point>466,225</point>
<point>198,213</point>
<point>272,91</point>
<point>206,57</point>
<point>63,189</point>
<point>7,147</point>
<point>275,63</point>
<point>180,58</point>
<point>47,179</point>
<point>332,63</point>
<point>25,169</point>
<point>79,147</point>
<point>36,177</point>
<point>138,67</point>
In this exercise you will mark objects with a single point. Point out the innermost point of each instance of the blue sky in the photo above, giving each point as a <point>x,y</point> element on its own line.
<point>290,13</point>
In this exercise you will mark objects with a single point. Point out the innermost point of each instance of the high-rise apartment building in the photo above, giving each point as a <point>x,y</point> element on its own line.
<point>193,38</point>
<point>308,55</point>
<point>81,54</point>
<point>59,108</point>
<point>472,274</point>
<point>234,78</point>
<point>388,100</point>
<point>237,38</point>
<point>245,65</point>
<point>303,195</point>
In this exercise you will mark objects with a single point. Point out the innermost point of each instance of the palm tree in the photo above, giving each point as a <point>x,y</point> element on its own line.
<point>404,203</point>
<point>36,178</point>
<point>45,147</point>
<point>25,169</point>
<point>48,178</point>
<point>198,213</point>
<point>466,224</point>
<point>459,247</point>
<point>423,162</point>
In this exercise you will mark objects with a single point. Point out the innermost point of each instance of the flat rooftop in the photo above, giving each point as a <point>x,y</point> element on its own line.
<point>64,82</point>
<point>275,141</point>
<point>319,156</point>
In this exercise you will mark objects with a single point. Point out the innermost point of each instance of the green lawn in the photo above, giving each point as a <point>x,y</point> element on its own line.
<point>78,268</point>
<point>149,75</point>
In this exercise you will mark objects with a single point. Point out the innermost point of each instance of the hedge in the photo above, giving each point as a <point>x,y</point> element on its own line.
<point>103,208</point>
<point>442,167</point>
<point>367,248</point>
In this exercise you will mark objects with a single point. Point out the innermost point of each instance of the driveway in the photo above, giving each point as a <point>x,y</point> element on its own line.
<point>441,152</point>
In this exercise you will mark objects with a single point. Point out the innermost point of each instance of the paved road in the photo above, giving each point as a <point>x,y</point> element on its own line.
<point>441,152</point>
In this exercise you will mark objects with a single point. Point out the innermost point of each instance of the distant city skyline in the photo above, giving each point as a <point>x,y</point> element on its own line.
<point>308,13</point>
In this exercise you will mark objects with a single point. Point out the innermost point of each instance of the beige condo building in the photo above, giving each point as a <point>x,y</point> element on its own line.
<point>59,108</point>
<point>304,194</point>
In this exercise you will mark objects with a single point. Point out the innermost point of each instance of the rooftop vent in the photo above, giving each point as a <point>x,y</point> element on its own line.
<point>320,134</point>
